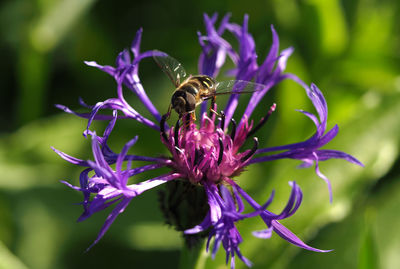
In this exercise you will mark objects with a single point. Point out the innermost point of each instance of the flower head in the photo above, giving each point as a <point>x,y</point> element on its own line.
<point>207,154</point>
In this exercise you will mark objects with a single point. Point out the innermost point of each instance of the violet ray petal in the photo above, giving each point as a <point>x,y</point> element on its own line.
<point>83,178</point>
<point>123,153</point>
<point>71,186</point>
<point>310,115</point>
<point>318,172</point>
<point>286,234</point>
<point>69,158</point>
<point>88,115</point>
<point>138,170</point>
<point>123,59</point>
<point>106,68</point>
<point>243,259</point>
<point>325,139</point>
<point>135,46</point>
<point>229,203</point>
<point>110,126</point>
<point>96,205</point>
<point>204,225</point>
<point>326,154</point>
<point>105,173</point>
<point>223,24</point>
<point>264,234</point>
<point>137,87</point>
<point>215,209</point>
<point>110,219</point>
<point>293,203</point>
<point>82,103</point>
<point>98,155</point>
<point>253,102</point>
<point>269,62</point>
<point>282,61</point>
<point>238,201</point>
<point>139,188</point>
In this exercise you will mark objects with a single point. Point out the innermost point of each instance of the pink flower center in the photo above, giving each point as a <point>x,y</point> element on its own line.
<point>207,153</point>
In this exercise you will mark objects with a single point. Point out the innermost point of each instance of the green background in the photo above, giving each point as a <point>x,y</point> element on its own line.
<point>350,49</point>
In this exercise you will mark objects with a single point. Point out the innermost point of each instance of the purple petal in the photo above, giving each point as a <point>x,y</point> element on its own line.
<point>326,154</point>
<point>110,219</point>
<point>98,204</point>
<point>106,68</point>
<point>71,186</point>
<point>264,234</point>
<point>215,208</point>
<point>69,158</point>
<point>138,170</point>
<point>123,153</point>
<point>123,59</point>
<point>137,189</point>
<point>318,172</point>
<point>223,24</point>
<point>269,62</point>
<point>311,116</point>
<point>138,89</point>
<point>238,201</point>
<point>286,234</point>
<point>110,126</point>
<point>293,203</point>
<point>87,115</point>
<point>135,47</point>
<point>283,57</point>
<point>204,225</point>
<point>98,155</point>
<point>106,173</point>
<point>226,195</point>
<point>328,136</point>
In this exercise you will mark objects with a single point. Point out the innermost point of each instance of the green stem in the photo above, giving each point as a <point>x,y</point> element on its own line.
<point>194,257</point>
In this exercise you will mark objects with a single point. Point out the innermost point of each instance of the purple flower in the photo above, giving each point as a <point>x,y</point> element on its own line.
<point>309,150</point>
<point>209,154</point>
<point>226,209</point>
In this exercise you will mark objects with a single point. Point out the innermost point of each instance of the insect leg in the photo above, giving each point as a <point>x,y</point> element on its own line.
<point>193,116</point>
<point>213,106</point>
<point>169,111</point>
<point>187,118</point>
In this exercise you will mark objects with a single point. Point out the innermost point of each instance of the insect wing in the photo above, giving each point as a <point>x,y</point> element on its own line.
<point>170,66</point>
<point>238,87</point>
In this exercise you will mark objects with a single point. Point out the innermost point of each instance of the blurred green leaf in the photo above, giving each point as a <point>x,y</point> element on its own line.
<point>9,260</point>
<point>368,258</point>
<point>38,248</point>
<point>56,21</point>
<point>162,237</point>
<point>332,26</point>
<point>371,227</point>
<point>26,159</point>
<point>47,30</point>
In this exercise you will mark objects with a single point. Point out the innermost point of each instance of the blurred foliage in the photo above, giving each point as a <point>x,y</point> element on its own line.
<point>349,48</point>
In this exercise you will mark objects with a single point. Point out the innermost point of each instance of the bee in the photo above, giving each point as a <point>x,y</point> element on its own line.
<point>195,89</point>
